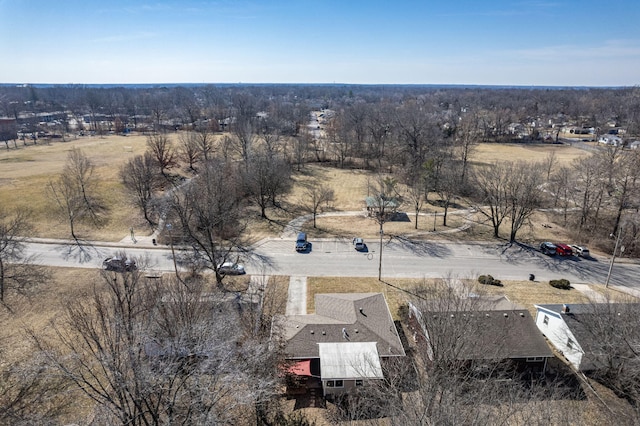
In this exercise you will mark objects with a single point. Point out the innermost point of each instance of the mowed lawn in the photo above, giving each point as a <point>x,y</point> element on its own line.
<point>491,152</point>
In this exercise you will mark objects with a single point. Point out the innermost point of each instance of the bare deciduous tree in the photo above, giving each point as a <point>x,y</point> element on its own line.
<point>524,195</point>
<point>75,193</point>
<point>448,184</point>
<point>17,269</point>
<point>188,149</point>
<point>139,178</point>
<point>209,212</point>
<point>160,353</point>
<point>490,182</point>
<point>162,150</point>
<point>315,196</point>
<point>32,393</point>
<point>265,179</point>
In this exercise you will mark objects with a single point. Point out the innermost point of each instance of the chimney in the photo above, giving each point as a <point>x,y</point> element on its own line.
<point>565,309</point>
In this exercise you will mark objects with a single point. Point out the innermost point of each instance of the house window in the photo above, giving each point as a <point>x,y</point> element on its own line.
<point>339,384</point>
<point>360,382</point>
<point>330,383</point>
<point>534,359</point>
<point>545,321</point>
<point>570,343</point>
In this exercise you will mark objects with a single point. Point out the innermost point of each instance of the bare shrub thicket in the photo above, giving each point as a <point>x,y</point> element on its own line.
<point>159,351</point>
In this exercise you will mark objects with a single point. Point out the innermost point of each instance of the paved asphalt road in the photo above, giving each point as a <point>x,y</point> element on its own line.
<point>401,258</point>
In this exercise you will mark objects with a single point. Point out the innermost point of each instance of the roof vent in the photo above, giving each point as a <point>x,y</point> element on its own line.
<point>324,332</point>
<point>345,335</point>
<point>522,314</point>
<point>312,332</point>
<point>451,315</point>
<point>486,315</point>
<point>506,315</point>
<point>356,330</point>
<point>565,309</point>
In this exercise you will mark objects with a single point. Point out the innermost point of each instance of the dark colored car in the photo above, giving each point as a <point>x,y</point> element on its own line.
<point>548,248</point>
<point>301,242</point>
<point>119,264</point>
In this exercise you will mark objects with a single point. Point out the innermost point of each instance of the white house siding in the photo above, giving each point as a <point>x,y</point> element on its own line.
<point>557,332</point>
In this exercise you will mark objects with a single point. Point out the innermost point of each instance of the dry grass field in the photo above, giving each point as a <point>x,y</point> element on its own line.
<point>488,152</point>
<point>26,171</point>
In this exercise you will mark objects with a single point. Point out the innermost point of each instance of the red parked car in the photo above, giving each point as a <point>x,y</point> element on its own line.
<point>563,249</point>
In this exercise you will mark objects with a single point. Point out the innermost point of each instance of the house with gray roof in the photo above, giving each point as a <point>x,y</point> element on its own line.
<point>489,332</point>
<point>343,342</point>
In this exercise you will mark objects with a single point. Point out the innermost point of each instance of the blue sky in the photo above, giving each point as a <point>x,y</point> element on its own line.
<point>497,42</point>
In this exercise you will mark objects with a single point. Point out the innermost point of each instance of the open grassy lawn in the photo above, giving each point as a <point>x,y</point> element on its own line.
<point>490,152</point>
<point>26,171</point>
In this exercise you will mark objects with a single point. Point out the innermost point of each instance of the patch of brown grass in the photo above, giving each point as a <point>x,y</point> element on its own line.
<point>491,152</point>
<point>349,186</point>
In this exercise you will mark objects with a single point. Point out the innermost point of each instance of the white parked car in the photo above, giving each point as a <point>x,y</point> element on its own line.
<point>231,268</point>
<point>580,251</point>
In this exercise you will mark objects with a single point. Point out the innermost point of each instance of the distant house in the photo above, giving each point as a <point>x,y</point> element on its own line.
<point>612,140</point>
<point>342,345</point>
<point>577,330</point>
<point>634,145</point>
<point>492,333</point>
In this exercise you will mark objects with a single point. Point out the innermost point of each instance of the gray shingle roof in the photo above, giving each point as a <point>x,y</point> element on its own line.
<point>494,334</point>
<point>342,317</point>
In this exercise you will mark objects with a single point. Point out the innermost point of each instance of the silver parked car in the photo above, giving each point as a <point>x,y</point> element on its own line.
<point>230,268</point>
<point>359,244</point>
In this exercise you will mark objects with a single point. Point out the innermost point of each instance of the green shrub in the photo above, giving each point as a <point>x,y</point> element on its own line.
<point>562,284</point>
<point>489,280</point>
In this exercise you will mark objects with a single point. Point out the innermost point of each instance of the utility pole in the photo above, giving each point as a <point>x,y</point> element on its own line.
<point>613,257</point>
<point>380,264</point>
<point>173,253</point>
